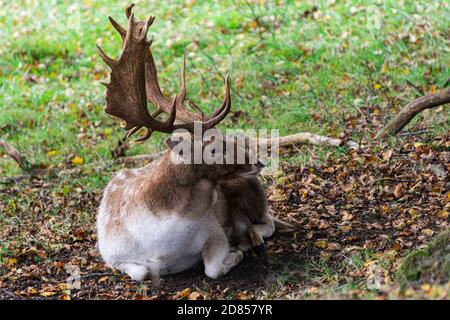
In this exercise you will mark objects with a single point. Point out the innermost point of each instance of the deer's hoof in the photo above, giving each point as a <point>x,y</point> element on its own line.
<point>260,250</point>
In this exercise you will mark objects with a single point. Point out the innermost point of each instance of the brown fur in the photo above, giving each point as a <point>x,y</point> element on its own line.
<point>164,186</point>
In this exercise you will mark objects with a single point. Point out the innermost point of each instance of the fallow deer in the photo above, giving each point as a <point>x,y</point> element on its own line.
<point>167,216</point>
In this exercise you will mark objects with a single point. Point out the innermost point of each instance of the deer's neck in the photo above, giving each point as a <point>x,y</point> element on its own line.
<point>174,175</point>
<point>170,186</point>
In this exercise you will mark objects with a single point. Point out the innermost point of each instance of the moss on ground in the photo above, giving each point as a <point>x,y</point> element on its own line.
<point>430,264</point>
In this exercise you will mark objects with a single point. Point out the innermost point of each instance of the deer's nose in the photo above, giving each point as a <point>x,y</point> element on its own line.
<point>259,165</point>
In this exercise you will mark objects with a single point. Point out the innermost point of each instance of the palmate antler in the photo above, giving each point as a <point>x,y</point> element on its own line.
<point>134,80</point>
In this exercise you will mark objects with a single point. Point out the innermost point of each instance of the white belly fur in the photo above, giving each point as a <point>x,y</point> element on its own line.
<point>166,242</point>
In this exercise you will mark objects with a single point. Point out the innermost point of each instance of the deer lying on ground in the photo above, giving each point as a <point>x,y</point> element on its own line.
<point>169,215</point>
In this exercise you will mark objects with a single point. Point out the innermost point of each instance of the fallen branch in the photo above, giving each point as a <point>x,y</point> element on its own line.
<point>23,163</point>
<point>417,88</point>
<point>301,138</point>
<point>309,138</point>
<point>411,110</point>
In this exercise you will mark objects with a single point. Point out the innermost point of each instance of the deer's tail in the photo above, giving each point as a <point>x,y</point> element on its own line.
<point>280,224</point>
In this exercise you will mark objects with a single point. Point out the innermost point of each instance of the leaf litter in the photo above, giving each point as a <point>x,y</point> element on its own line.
<point>377,201</point>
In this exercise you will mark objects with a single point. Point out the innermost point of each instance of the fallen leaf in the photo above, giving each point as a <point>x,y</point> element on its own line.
<point>333,247</point>
<point>77,160</point>
<point>253,24</point>
<point>323,225</point>
<point>31,290</point>
<point>195,296</point>
<point>10,262</point>
<point>63,286</point>
<point>387,155</point>
<point>183,294</point>
<point>398,192</point>
<point>345,228</point>
<point>325,255</point>
<point>426,287</point>
<point>321,244</point>
<point>414,213</point>
<point>48,294</point>
<point>443,214</point>
<point>347,216</point>
<point>277,195</point>
<point>428,232</point>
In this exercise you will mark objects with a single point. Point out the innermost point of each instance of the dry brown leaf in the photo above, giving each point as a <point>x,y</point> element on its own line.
<point>183,294</point>
<point>333,247</point>
<point>31,290</point>
<point>243,295</point>
<point>398,191</point>
<point>47,294</point>
<point>195,296</point>
<point>321,244</point>
<point>346,216</point>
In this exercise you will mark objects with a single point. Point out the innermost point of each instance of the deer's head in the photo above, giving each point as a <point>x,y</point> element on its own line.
<point>134,82</point>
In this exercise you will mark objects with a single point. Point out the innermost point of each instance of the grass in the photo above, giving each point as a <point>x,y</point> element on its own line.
<point>292,67</point>
<point>289,70</point>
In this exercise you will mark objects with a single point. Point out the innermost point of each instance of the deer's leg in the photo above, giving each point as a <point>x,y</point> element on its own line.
<point>265,229</point>
<point>218,256</point>
<point>135,271</point>
<point>252,240</point>
<point>254,237</point>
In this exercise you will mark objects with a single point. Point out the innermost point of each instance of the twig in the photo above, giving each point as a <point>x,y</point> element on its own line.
<point>214,66</point>
<point>9,293</point>
<point>14,179</point>
<point>213,63</point>
<point>418,89</point>
<point>412,133</point>
<point>120,150</point>
<point>260,24</point>
<point>93,275</point>
<point>394,180</point>
<point>369,68</point>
